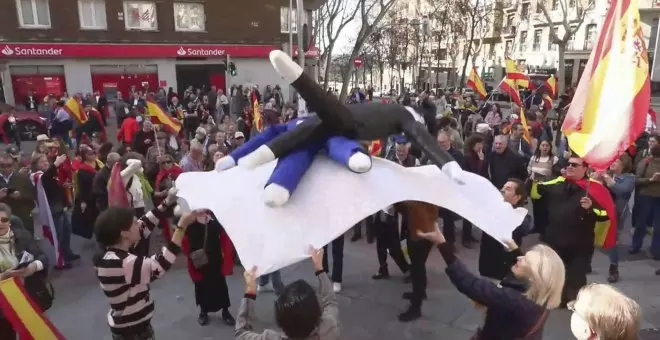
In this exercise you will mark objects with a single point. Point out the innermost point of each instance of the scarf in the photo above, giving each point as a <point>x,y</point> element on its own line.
<point>8,259</point>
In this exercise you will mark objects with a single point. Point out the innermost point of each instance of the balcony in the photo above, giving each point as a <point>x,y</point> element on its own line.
<point>511,5</point>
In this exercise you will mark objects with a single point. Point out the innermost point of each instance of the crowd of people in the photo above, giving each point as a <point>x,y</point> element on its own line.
<point>69,184</point>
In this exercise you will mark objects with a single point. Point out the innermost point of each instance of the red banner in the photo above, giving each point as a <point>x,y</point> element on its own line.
<point>39,50</point>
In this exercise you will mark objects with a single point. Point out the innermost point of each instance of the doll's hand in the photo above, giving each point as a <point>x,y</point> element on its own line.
<point>224,163</point>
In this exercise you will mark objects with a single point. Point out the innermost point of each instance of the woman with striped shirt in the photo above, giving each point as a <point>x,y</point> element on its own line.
<point>125,277</point>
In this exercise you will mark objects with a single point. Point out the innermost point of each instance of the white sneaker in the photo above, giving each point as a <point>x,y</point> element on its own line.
<point>336,287</point>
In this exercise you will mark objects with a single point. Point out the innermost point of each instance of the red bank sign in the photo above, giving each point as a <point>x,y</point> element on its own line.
<point>11,50</point>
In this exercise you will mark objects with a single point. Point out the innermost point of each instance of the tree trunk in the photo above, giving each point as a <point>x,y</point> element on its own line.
<point>381,70</point>
<point>561,71</point>
<point>328,61</point>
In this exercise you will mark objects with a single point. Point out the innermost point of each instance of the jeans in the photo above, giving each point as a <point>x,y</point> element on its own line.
<point>337,259</point>
<point>647,208</point>
<point>419,252</point>
<point>63,230</point>
<point>278,285</point>
<point>613,253</point>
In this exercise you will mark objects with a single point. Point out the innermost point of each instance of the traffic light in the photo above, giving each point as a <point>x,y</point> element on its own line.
<point>232,69</point>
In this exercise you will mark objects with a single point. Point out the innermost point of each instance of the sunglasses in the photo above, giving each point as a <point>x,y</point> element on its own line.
<point>4,219</point>
<point>574,165</point>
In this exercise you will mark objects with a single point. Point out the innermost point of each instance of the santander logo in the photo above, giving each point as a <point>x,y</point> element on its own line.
<point>19,51</point>
<point>200,52</point>
<point>7,51</point>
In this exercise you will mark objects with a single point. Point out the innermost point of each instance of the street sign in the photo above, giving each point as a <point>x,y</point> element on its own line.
<point>357,62</point>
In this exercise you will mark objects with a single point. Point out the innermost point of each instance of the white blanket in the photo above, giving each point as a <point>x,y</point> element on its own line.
<point>329,201</point>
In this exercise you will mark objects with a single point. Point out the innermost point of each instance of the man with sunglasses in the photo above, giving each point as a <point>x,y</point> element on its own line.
<point>570,225</point>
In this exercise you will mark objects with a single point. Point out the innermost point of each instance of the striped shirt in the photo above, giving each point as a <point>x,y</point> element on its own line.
<point>125,279</point>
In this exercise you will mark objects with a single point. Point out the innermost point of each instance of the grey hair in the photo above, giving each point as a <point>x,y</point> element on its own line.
<point>502,138</point>
<point>195,144</point>
<point>112,158</point>
<point>5,209</point>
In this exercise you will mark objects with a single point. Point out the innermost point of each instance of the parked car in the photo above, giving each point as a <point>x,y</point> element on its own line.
<point>30,124</point>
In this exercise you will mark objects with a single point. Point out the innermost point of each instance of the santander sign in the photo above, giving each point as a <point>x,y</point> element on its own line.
<point>33,51</point>
<point>200,52</point>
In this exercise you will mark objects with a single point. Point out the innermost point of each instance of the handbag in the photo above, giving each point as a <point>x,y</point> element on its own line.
<point>539,323</point>
<point>198,257</point>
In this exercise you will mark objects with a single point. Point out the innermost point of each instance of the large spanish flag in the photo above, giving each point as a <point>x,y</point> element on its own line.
<point>23,314</point>
<point>256,113</point>
<point>512,72</point>
<point>159,116</point>
<point>75,110</point>
<point>609,109</point>
<point>474,82</point>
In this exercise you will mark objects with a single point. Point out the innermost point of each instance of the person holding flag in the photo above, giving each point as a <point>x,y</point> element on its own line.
<point>510,86</point>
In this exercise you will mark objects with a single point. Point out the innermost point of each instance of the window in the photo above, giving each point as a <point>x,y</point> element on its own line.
<point>189,16</point>
<point>571,40</point>
<point>524,14</point>
<point>509,19</point>
<point>555,5</point>
<point>551,45</point>
<point>92,14</point>
<point>33,13</point>
<point>539,6</point>
<point>140,15</point>
<point>508,46</point>
<point>523,41</point>
<point>590,38</point>
<point>537,41</point>
<point>284,20</point>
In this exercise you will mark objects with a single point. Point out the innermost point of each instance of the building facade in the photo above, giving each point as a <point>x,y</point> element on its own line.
<point>57,46</point>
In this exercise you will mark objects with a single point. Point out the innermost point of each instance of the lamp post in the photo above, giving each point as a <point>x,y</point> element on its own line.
<point>415,23</point>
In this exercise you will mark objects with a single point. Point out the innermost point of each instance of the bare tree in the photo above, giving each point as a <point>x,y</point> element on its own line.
<point>376,53</point>
<point>371,13</point>
<point>332,18</point>
<point>570,18</point>
<point>478,15</point>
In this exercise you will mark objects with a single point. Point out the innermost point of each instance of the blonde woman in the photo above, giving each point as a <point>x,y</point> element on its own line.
<point>601,312</point>
<point>514,311</point>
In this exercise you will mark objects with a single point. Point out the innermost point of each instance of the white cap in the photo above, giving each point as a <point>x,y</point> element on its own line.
<point>482,128</point>
<point>239,134</point>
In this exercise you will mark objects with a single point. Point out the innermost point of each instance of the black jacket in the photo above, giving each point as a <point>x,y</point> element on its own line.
<point>507,165</point>
<point>100,188</point>
<point>510,314</point>
<point>54,191</point>
<point>569,226</point>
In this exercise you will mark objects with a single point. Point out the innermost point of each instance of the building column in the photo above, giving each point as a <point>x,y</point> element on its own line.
<point>78,77</point>
<point>7,86</point>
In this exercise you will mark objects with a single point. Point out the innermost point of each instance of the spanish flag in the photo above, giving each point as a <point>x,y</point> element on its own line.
<point>23,314</point>
<point>474,82</point>
<point>376,147</point>
<point>523,121</point>
<point>547,102</point>
<point>75,110</point>
<point>551,84</point>
<point>159,116</point>
<point>609,108</point>
<point>256,114</point>
<point>510,86</point>
<point>512,72</point>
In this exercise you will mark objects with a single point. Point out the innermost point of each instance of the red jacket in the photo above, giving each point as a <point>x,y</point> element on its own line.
<point>129,128</point>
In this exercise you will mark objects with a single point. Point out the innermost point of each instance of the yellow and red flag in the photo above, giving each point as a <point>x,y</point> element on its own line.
<point>474,82</point>
<point>75,110</point>
<point>376,147</point>
<point>23,314</point>
<point>523,121</point>
<point>609,108</point>
<point>551,85</point>
<point>257,122</point>
<point>509,86</point>
<point>512,72</point>
<point>547,102</point>
<point>159,116</point>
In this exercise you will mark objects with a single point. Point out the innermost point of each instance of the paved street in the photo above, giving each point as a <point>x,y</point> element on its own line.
<point>368,309</point>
